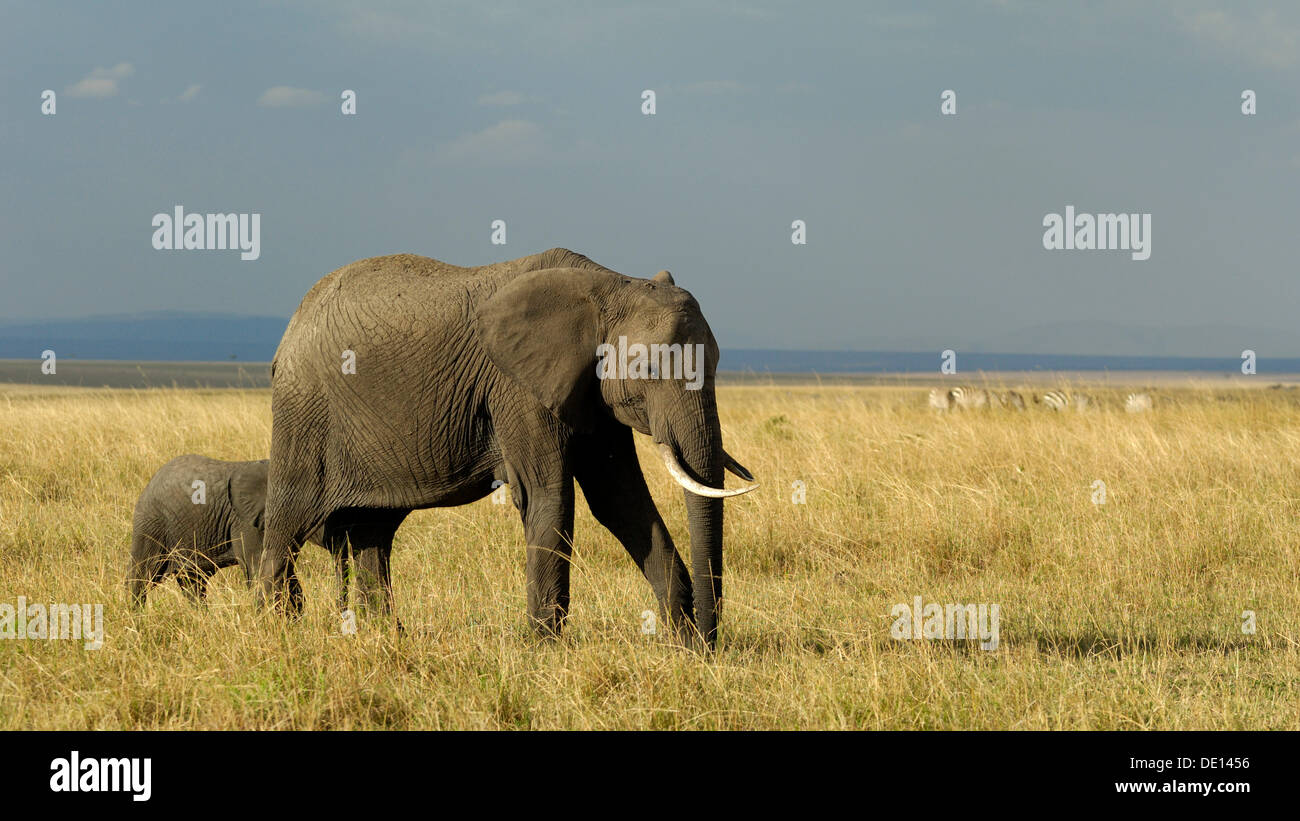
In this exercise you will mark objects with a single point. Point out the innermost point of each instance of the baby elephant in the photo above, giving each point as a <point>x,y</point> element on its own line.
<point>198,515</point>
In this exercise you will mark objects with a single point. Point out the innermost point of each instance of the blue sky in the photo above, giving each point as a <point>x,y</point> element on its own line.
<point>923,230</point>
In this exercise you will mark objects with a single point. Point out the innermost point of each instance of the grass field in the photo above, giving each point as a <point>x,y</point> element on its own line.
<point>1120,615</point>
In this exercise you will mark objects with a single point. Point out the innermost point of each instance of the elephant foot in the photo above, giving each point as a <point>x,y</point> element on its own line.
<point>686,635</point>
<point>288,603</point>
<point>378,613</point>
<point>394,624</point>
<point>548,627</point>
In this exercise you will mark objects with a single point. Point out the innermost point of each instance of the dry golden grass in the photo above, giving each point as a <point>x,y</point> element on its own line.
<point>1125,615</point>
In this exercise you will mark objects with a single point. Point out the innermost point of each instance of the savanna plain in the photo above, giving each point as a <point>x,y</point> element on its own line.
<point>1125,613</point>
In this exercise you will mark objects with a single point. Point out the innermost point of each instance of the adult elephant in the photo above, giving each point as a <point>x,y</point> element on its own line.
<point>404,383</point>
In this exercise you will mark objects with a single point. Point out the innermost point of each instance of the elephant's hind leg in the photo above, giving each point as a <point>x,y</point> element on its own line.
<point>370,535</point>
<point>195,584</point>
<point>336,542</point>
<point>275,564</point>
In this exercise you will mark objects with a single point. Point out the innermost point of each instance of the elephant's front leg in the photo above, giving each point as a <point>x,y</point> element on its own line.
<point>547,512</point>
<point>615,489</point>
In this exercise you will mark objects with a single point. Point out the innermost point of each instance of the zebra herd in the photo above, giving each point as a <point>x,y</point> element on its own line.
<point>970,398</point>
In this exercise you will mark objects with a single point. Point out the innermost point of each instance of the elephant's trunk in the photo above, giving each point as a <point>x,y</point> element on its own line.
<point>695,438</point>
<point>705,517</point>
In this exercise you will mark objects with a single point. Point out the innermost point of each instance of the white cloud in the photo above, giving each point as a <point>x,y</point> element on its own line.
<point>504,98</point>
<point>507,142</point>
<point>289,97</point>
<point>102,82</point>
<point>189,93</point>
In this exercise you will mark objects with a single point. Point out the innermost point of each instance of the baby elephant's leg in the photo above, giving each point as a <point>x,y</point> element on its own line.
<point>193,576</point>
<point>194,583</point>
<point>148,564</point>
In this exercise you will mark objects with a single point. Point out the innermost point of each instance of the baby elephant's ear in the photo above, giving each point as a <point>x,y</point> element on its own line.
<point>248,492</point>
<point>542,330</point>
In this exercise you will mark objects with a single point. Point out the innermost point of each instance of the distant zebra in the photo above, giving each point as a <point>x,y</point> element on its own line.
<point>1137,402</point>
<point>968,398</point>
<point>1054,400</point>
<point>940,399</point>
<point>1060,400</point>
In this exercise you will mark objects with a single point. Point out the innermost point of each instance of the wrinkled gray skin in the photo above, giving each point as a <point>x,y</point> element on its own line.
<point>171,535</point>
<point>466,376</point>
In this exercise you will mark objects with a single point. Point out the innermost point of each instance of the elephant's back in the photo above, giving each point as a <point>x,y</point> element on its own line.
<point>187,468</point>
<point>382,288</point>
<point>396,300</point>
<point>397,277</point>
<point>169,496</point>
<point>393,271</point>
<point>391,277</point>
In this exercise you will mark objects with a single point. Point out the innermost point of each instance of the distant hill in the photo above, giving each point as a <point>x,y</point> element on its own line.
<point>1119,339</point>
<point>158,336</point>
<point>178,336</point>
<point>927,363</point>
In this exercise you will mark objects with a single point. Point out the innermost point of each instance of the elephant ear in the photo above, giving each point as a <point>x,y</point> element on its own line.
<point>542,330</point>
<point>247,489</point>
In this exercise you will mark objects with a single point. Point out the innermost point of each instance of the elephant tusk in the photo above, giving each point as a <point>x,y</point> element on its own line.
<point>679,473</point>
<point>737,468</point>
